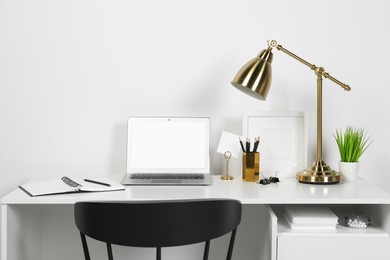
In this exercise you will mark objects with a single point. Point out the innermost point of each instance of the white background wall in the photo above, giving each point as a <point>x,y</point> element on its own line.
<point>71,72</point>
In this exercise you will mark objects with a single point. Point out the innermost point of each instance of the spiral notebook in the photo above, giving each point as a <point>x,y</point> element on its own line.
<point>70,185</point>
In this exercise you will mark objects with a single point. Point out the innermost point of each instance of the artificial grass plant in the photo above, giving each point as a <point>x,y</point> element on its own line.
<point>352,143</point>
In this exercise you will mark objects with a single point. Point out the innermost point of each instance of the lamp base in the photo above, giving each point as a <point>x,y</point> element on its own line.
<point>227,177</point>
<point>319,173</point>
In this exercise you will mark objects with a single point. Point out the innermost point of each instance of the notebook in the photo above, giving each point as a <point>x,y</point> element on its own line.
<point>310,215</point>
<point>168,151</point>
<point>69,185</point>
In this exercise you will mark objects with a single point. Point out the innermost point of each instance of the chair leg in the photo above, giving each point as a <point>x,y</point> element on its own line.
<point>206,250</point>
<point>109,252</point>
<point>231,245</point>
<point>85,246</point>
<point>158,253</point>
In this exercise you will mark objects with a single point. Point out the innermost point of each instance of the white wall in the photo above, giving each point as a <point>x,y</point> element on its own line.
<point>71,72</point>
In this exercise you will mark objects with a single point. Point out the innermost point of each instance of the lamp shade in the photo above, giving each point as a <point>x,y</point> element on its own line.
<point>255,77</point>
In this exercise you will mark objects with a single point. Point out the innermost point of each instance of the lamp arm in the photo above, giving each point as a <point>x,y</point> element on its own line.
<point>319,71</point>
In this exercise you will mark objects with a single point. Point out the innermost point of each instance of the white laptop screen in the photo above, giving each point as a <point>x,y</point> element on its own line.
<point>168,145</point>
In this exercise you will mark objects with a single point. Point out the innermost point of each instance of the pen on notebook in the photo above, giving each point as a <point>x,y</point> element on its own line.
<point>97,182</point>
<point>242,145</point>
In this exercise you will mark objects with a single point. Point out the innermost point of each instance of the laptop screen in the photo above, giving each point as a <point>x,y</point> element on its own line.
<point>168,145</point>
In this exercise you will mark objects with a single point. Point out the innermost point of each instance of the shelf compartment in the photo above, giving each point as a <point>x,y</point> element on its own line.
<point>341,243</point>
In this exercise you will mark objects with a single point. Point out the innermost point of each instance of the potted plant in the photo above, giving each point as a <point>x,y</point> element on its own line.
<point>352,144</point>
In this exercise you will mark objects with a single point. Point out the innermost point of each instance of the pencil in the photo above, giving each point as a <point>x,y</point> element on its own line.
<point>242,145</point>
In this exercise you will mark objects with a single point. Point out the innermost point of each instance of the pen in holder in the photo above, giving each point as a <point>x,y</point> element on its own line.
<point>251,166</point>
<point>227,156</point>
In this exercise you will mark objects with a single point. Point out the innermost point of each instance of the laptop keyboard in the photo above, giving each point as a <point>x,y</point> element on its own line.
<point>166,176</point>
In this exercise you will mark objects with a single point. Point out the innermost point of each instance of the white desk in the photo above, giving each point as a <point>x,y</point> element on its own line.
<point>42,227</point>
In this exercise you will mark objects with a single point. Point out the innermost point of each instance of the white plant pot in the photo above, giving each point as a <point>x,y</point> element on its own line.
<point>349,170</point>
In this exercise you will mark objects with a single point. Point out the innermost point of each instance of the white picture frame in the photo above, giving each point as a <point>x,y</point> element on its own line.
<point>283,140</point>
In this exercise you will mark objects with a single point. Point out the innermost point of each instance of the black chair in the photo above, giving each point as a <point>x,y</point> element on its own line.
<point>157,223</point>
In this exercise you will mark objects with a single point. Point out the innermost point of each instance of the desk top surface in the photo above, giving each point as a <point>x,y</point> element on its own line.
<point>287,191</point>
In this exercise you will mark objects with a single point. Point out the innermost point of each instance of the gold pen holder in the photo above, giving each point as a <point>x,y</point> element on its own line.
<point>250,167</point>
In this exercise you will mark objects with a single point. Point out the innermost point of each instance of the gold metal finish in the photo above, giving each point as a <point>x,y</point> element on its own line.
<point>319,173</point>
<point>319,71</point>
<point>251,167</point>
<point>227,155</point>
<point>227,177</point>
<point>254,78</point>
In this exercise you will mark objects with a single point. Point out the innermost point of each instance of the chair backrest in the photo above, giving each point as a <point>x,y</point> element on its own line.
<point>157,223</point>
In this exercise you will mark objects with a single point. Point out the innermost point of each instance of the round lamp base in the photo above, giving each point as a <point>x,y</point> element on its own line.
<point>319,173</point>
<point>227,177</point>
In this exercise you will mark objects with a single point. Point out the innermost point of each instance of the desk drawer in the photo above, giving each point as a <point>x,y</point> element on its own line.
<point>325,248</point>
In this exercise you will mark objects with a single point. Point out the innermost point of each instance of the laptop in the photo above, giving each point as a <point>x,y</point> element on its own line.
<point>168,151</point>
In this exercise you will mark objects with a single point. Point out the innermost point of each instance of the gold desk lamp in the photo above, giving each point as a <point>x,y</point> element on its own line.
<point>254,79</point>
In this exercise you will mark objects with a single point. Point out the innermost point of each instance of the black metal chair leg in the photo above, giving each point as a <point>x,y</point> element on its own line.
<point>85,246</point>
<point>206,250</point>
<point>231,245</point>
<point>109,252</point>
<point>158,253</point>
